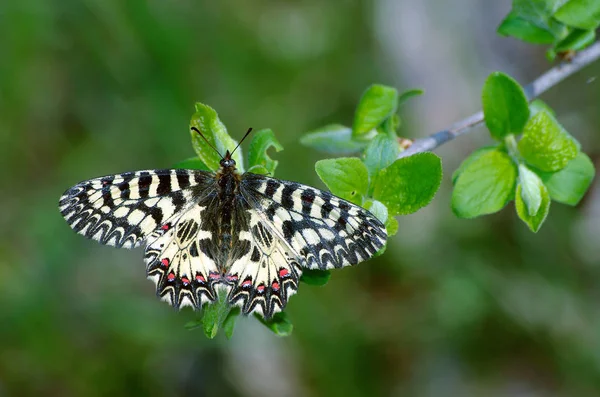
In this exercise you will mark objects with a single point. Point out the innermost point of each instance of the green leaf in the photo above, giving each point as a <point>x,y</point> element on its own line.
<point>261,142</point>
<point>194,324</point>
<point>537,105</point>
<point>391,226</point>
<point>346,177</point>
<point>258,169</point>
<point>381,152</point>
<point>582,14</point>
<point>472,157</point>
<point>378,209</point>
<point>523,29</point>
<point>406,95</point>
<point>568,186</point>
<point>485,185</point>
<point>229,322</point>
<point>376,104</point>
<point>207,121</point>
<point>529,19</point>
<point>531,186</point>
<point>214,314</point>
<point>315,276</point>
<point>280,324</point>
<point>334,139</point>
<point>409,183</point>
<point>545,144</point>
<point>193,163</point>
<point>381,212</point>
<point>577,40</point>
<point>533,221</point>
<point>505,106</point>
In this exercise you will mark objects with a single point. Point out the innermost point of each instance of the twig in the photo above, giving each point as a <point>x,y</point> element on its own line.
<point>533,90</point>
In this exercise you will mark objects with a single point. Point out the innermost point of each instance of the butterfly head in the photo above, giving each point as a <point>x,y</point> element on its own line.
<point>227,161</point>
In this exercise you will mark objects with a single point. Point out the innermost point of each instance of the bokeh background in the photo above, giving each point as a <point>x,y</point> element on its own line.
<point>454,307</point>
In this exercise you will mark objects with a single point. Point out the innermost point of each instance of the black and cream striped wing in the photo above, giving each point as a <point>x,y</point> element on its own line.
<point>124,209</point>
<point>322,230</point>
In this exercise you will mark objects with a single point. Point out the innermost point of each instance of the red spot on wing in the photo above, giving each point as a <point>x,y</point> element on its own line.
<point>260,288</point>
<point>165,226</point>
<point>165,262</point>
<point>200,278</point>
<point>214,276</point>
<point>171,276</point>
<point>275,286</point>
<point>185,280</point>
<point>231,277</point>
<point>283,273</point>
<point>247,283</point>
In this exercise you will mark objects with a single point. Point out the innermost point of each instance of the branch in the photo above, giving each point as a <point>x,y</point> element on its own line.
<point>533,90</point>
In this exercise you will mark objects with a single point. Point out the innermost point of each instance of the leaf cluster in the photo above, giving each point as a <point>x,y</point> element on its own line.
<point>535,161</point>
<point>566,25</point>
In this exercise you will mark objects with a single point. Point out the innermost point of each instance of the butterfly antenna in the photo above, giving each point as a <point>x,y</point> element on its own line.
<point>209,144</point>
<point>238,145</point>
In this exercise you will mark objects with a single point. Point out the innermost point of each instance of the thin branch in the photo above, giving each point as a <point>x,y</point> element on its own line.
<point>533,90</point>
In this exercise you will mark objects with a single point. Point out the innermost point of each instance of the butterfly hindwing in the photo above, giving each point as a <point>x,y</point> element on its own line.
<point>123,209</point>
<point>176,260</point>
<point>267,275</point>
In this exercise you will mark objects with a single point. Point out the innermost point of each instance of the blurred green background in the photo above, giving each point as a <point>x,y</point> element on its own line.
<point>454,307</point>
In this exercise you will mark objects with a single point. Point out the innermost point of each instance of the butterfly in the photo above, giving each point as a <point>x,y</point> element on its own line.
<point>248,234</point>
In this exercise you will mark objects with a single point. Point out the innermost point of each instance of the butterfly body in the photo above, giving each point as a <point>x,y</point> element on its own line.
<point>247,234</point>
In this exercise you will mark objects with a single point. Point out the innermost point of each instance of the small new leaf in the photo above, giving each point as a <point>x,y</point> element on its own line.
<point>193,163</point>
<point>582,14</point>
<point>531,189</point>
<point>537,105</point>
<point>378,209</point>
<point>577,40</point>
<point>534,222</point>
<point>568,186</point>
<point>545,144</point>
<point>258,156</point>
<point>376,104</point>
<point>381,152</point>
<point>214,315</point>
<point>229,322</point>
<point>406,95</point>
<point>315,277</point>
<point>391,226</point>
<point>335,139</point>
<point>280,324</point>
<point>346,177</point>
<point>409,183</point>
<point>505,106</point>
<point>485,185</point>
<point>206,120</point>
<point>523,29</point>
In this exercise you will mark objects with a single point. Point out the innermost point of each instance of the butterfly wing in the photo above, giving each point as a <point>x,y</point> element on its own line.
<point>123,209</point>
<point>293,226</point>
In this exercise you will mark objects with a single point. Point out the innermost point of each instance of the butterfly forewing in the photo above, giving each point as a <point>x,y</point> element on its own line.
<point>123,209</point>
<point>248,234</point>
